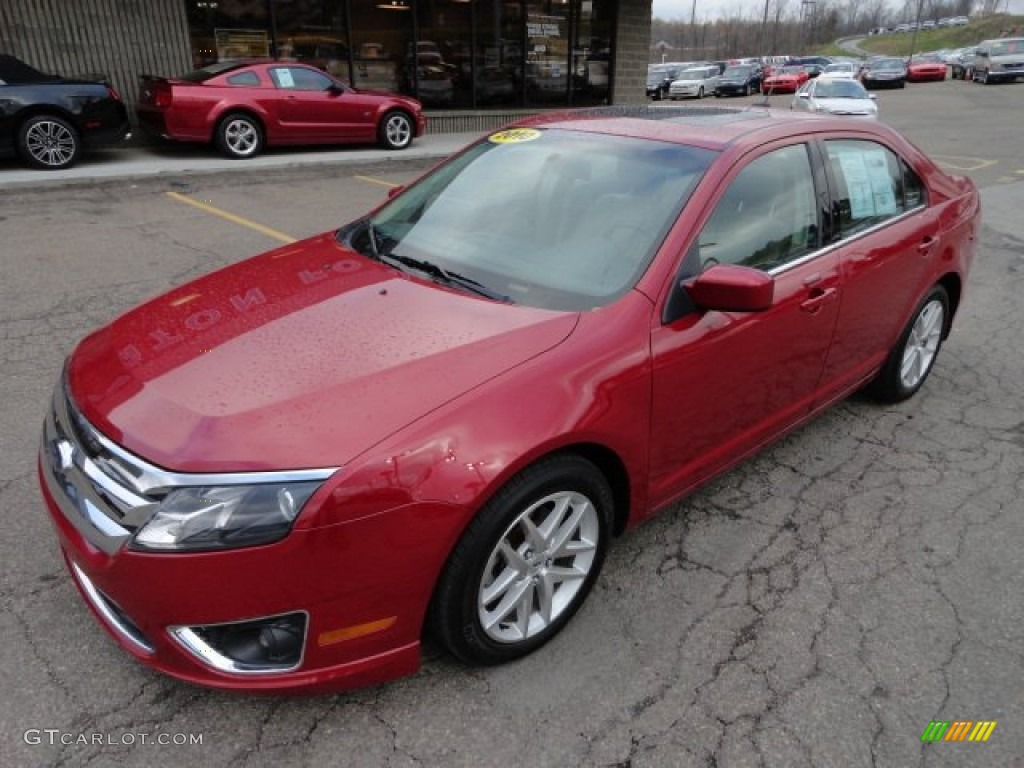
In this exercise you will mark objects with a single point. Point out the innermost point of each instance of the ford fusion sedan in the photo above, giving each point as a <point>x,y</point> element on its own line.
<point>242,107</point>
<point>884,73</point>
<point>437,418</point>
<point>47,119</point>
<point>837,96</point>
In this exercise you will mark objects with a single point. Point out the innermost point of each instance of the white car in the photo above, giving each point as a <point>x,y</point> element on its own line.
<point>841,69</point>
<point>695,83</point>
<point>837,96</point>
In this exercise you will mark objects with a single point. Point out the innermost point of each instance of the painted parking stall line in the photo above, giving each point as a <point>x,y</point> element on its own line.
<point>233,218</point>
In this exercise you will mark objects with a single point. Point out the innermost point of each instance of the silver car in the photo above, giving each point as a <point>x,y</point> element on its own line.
<point>835,95</point>
<point>696,82</point>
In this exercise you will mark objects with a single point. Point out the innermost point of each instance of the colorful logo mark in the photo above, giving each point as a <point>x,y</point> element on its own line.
<point>958,730</point>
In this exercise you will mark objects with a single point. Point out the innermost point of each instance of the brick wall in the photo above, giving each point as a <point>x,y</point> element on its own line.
<point>632,46</point>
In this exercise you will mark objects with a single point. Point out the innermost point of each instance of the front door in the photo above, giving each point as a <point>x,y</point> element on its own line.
<point>725,382</point>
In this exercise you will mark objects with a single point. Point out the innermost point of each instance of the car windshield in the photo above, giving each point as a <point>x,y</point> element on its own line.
<point>840,89</point>
<point>693,74</point>
<point>839,68</point>
<point>736,72</point>
<point>790,71</point>
<point>887,64</point>
<point>546,218</point>
<point>1007,46</point>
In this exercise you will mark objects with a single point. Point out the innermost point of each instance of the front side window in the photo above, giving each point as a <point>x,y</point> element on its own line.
<point>767,217</point>
<point>300,79</point>
<point>573,223</point>
<point>872,184</point>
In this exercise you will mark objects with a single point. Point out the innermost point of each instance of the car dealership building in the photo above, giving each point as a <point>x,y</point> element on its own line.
<point>459,57</point>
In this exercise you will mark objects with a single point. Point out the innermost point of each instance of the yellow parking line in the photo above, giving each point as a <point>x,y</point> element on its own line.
<point>973,163</point>
<point>372,180</point>
<point>233,218</point>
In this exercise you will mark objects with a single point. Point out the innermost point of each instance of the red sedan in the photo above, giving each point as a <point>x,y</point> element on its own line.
<point>926,70</point>
<point>243,106</point>
<point>785,80</point>
<point>438,417</point>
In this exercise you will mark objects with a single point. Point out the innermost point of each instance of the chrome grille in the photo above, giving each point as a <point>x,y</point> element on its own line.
<point>90,484</point>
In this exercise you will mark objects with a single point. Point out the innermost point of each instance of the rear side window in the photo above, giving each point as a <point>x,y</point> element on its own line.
<point>873,184</point>
<point>248,77</point>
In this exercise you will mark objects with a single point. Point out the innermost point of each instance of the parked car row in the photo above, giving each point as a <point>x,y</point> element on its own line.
<point>240,107</point>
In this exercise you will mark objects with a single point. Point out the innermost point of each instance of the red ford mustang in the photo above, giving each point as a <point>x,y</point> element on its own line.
<point>785,80</point>
<point>243,106</point>
<point>924,70</point>
<point>438,417</point>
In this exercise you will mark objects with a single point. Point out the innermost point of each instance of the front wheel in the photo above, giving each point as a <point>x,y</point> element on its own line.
<point>396,130</point>
<point>49,142</point>
<point>526,563</point>
<point>700,92</point>
<point>911,360</point>
<point>239,136</point>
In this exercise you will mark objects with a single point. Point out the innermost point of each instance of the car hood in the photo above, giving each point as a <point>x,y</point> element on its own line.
<point>302,357</point>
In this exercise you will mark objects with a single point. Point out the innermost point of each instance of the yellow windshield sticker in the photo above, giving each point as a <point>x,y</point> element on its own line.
<point>514,136</point>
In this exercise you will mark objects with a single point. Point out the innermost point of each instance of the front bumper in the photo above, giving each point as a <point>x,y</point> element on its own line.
<point>362,588</point>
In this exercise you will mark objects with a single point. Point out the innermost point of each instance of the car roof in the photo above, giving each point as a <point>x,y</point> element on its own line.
<point>714,128</point>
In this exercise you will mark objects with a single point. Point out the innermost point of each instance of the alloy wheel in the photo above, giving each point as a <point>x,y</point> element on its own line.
<point>538,566</point>
<point>922,344</point>
<point>50,143</point>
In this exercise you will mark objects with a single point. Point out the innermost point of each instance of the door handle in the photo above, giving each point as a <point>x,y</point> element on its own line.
<point>926,244</point>
<point>818,298</point>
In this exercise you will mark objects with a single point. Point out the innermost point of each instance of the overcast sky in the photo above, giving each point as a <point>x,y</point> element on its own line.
<point>680,10</point>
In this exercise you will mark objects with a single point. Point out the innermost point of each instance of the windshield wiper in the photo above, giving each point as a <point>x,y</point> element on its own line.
<point>442,275</point>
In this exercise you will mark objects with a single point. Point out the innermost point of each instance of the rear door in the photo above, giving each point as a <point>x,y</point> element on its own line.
<point>888,239</point>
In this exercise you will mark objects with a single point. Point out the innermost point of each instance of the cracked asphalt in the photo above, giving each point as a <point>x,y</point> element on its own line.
<point>817,606</point>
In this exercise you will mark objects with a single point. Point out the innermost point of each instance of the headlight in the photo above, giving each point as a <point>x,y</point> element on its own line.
<point>225,517</point>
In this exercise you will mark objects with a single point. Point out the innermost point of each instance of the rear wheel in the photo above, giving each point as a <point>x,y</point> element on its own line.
<point>49,142</point>
<point>239,136</point>
<point>911,360</point>
<point>396,130</point>
<point>525,564</point>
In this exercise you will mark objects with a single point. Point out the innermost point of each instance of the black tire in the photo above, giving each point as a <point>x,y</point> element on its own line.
<point>903,84</point>
<point>479,561</point>
<point>49,142</point>
<point>893,384</point>
<point>746,89</point>
<point>396,130</point>
<point>239,136</point>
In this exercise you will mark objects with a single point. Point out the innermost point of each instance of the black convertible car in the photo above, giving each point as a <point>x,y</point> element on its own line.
<point>46,119</point>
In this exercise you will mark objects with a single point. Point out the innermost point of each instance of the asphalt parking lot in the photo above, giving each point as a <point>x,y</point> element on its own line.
<point>817,606</point>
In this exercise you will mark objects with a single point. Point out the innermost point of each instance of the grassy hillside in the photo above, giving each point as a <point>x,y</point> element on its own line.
<point>999,25</point>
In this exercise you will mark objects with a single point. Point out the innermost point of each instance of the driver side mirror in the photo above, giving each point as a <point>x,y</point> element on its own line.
<point>335,90</point>
<point>732,288</point>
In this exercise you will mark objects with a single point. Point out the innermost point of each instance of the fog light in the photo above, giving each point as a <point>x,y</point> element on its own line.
<point>257,646</point>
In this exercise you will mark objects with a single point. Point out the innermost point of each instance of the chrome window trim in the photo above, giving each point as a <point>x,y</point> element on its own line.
<point>844,241</point>
<point>206,653</point>
<point>99,602</point>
